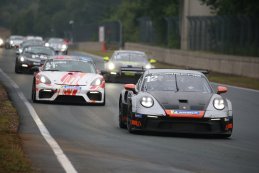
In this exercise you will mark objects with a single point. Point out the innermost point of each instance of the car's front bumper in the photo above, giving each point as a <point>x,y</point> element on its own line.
<point>183,125</point>
<point>27,65</point>
<point>70,94</point>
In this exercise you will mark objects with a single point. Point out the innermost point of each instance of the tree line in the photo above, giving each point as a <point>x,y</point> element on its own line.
<point>51,17</point>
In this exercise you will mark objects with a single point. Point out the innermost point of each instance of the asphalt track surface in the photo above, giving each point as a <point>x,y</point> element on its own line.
<point>91,139</point>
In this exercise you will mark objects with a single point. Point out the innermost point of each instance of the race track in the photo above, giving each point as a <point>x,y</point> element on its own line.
<point>91,139</point>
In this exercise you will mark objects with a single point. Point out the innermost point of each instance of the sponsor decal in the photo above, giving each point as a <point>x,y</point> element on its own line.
<point>71,79</point>
<point>72,87</point>
<point>184,113</point>
<point>229,126</point>
<point>136,123</point>
<point>138,115</point>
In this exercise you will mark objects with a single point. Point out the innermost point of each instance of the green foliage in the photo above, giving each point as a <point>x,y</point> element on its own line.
<point>234,7</point>
<point>51,17</point>
<point>130,11</point>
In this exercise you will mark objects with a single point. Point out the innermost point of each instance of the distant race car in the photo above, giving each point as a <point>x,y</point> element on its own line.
<point>14,41</point>
<point>32,56</point>
<point>126,63</point>
<point>69,79</point>
<point>26,43</point>
<point>58,44</point>
<point>170,100</point>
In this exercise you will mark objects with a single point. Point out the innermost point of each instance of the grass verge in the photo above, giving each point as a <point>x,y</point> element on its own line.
<point>12,157</point>
<point>234,80</point>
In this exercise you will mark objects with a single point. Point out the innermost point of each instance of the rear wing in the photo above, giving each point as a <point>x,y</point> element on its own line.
<point>204,71</point>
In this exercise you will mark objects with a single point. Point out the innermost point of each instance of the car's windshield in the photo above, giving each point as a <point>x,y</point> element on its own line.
<point>31,42</point>
<point>176,82</point>
<point>16,38</point>
<point>56,40</point>
<point>39,50</point>
<point>69,65</point>
<point>133,57</point>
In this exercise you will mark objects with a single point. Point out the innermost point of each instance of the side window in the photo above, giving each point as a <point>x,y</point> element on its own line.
<point>138,86</point>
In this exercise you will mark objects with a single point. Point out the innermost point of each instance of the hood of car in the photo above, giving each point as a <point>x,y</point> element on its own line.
<point>36,56</point>
<point>182,100</point>
<point>70,78</point>
<point>129,64</point>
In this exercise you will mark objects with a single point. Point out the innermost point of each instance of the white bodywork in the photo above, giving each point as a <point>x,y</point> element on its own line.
<point>69,84</point>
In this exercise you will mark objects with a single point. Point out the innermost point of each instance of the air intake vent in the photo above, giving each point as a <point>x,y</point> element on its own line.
<point>183,101</point>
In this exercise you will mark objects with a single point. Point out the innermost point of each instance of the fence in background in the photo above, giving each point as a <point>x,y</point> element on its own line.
<point>225,34</point>
<point>90,33</point>
<point>169,35</point>
<point>237,35</point>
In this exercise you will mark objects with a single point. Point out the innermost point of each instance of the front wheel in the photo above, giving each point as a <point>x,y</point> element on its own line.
<point>129,125</point>
<point>17,68</point>
<point>33,92</point>
<point>122,124</point>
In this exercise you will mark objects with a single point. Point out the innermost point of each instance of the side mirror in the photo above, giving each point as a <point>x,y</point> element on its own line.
<point>130,87</point>
<point>106,58</point>
<point>152,61</point>
<point>35,69</point>
<point>222,89</point>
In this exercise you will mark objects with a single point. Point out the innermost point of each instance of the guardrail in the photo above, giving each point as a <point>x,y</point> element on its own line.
<point>228,64</point>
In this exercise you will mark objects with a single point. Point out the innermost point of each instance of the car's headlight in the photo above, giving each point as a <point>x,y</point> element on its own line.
<point>45,80</point>
<point>219,103</point>
<point>147,101</point>
<point>148,66</point>
<point>22,58</point>
<point>47,44</point>
<point>11,42</point>
<point>20,50</point>
<point>64,47</point>
<point>97,82</point>
<point>111,66</point>
<point>1,41</point>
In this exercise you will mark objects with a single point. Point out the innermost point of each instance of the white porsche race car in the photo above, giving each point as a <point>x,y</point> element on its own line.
<point>68,79</point>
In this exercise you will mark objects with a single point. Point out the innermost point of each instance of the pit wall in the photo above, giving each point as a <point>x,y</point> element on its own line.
<point>228,64</point>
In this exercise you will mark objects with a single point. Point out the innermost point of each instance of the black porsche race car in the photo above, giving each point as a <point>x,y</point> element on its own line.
<point>170,100</point>
<point>32,56</point>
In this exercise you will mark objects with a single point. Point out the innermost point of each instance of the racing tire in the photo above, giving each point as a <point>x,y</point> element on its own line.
<point>17,69</point>
<point>129,125</point>
<point>33,92</point>
<point>122,124</point>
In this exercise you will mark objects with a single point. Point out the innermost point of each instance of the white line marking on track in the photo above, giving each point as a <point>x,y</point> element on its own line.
<point>62,158</point>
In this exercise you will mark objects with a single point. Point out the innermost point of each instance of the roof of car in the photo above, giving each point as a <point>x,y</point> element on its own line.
<point>173,71</point>
<point>129,51</point>
<point>71,57</point>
